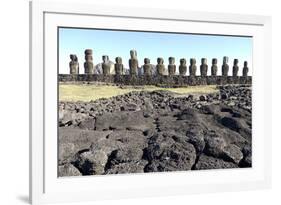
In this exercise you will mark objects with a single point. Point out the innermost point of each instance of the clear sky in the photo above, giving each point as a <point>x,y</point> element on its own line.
<point>151,45</point>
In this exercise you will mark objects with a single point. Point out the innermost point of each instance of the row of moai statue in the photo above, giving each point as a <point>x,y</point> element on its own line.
<point>134,68</point>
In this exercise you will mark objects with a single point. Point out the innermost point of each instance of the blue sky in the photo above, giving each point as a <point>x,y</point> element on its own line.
<point>151,45</point>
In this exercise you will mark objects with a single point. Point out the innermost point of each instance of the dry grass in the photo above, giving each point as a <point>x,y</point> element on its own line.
<point>88,92</point>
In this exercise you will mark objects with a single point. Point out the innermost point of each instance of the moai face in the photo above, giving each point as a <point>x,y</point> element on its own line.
<point>72,57</point>
<point>214,61</point>
<point>183,61</point>
<point>105,59</point>
<point>192,61</point>
<point>88,54</point>
<point>118,60</point>
<point>146,61</point>
<point>245,64</point>
<point>160,60</point>
<point>171,60</point>
<point>204,61</point>
<point>235,62</point>
<point>225,60</point>
<point>133,53</point>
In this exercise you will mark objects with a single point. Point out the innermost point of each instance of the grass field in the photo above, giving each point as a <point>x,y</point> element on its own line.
<point>88,92</point>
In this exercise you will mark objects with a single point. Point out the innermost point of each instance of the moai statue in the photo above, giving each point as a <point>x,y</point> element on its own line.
<point>225,67</point>
<point>73,65</point>
<point>235,68</point>
<point>147,68</point>
<point>133,63</point>
<point>203,67</point>
<point>182,67</point>
<point>88,65</point>
<point>172,66</point>
<point>119,68</point>
<point>160,67</point>
<point>192,67</point>
<point>245,69</point>
<point>105,65</point>
<point>214,68</point>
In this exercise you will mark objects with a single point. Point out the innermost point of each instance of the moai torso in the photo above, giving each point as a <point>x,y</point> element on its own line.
<point>245,69</point>
<point>235,68</point>
<point>225,67</point>
<point>192,67</point>
<point>204,67</point>
<point>105,65</point>
<point>119,68</point>
<point>214,68</point>
<point>88,65</point>
<point>160,68</point>
<point>172,66</point>
<point>73,65</point>
<point>147,68</point>
<point>182,67</point>
<point>133,63</point>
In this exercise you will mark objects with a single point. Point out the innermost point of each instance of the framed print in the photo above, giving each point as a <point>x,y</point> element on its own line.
<point>132,103</point>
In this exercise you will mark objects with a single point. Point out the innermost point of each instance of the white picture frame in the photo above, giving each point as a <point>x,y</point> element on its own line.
<point>46,187</point>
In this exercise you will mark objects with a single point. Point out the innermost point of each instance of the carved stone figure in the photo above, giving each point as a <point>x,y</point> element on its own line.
<point>88,65</point>
<point>203,67</point>
<point>245,69</point>
<point>214,68</point>
<point>182,67</point>
<point>225,66</point>
<point>73,65</point>
<point>172,66</point>
<point>235,68</point>
<point>147,68</point>
<point>119,68</point>
<point>133,63</point>
<point>160,67</point>
<point>105,65</point>
<point>192,67</point>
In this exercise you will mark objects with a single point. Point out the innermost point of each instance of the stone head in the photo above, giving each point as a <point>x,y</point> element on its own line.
<point>105,59</point>
<point>245,64</point>
<point>88,52</point>
<point>214,61</point>
<point>160,60</point>
<point>73,57</point>
<point>133,53</point>
<point>118,60</point>
<point>204,60</point>
<point>235,62</point>
<point>225,60</point>
<point>192,61</point>
<point>171,60</point>
<point>146,61</point>
<point>183,61</point>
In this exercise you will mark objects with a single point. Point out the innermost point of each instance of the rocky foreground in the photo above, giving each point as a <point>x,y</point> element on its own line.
<point>155,132</point>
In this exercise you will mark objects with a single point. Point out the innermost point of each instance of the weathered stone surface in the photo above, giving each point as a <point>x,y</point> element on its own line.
<point>169,152</point>
<point>207,162</point>
<point>158,131</point>
<point>68,170</point>
<point>88,65</point>
<point>203,67</point>
<point>171,66</point>
<point>225,66</point>
<point>160,67</point>
<point>118,66</point>
<point>214,68</point>
<point>235,68</point>
<point>182,67</point>
<point>73,65</point>
<point>232,153</point>
<point>133,63</point>
<point>192,67</point>
<point>124,121</point>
